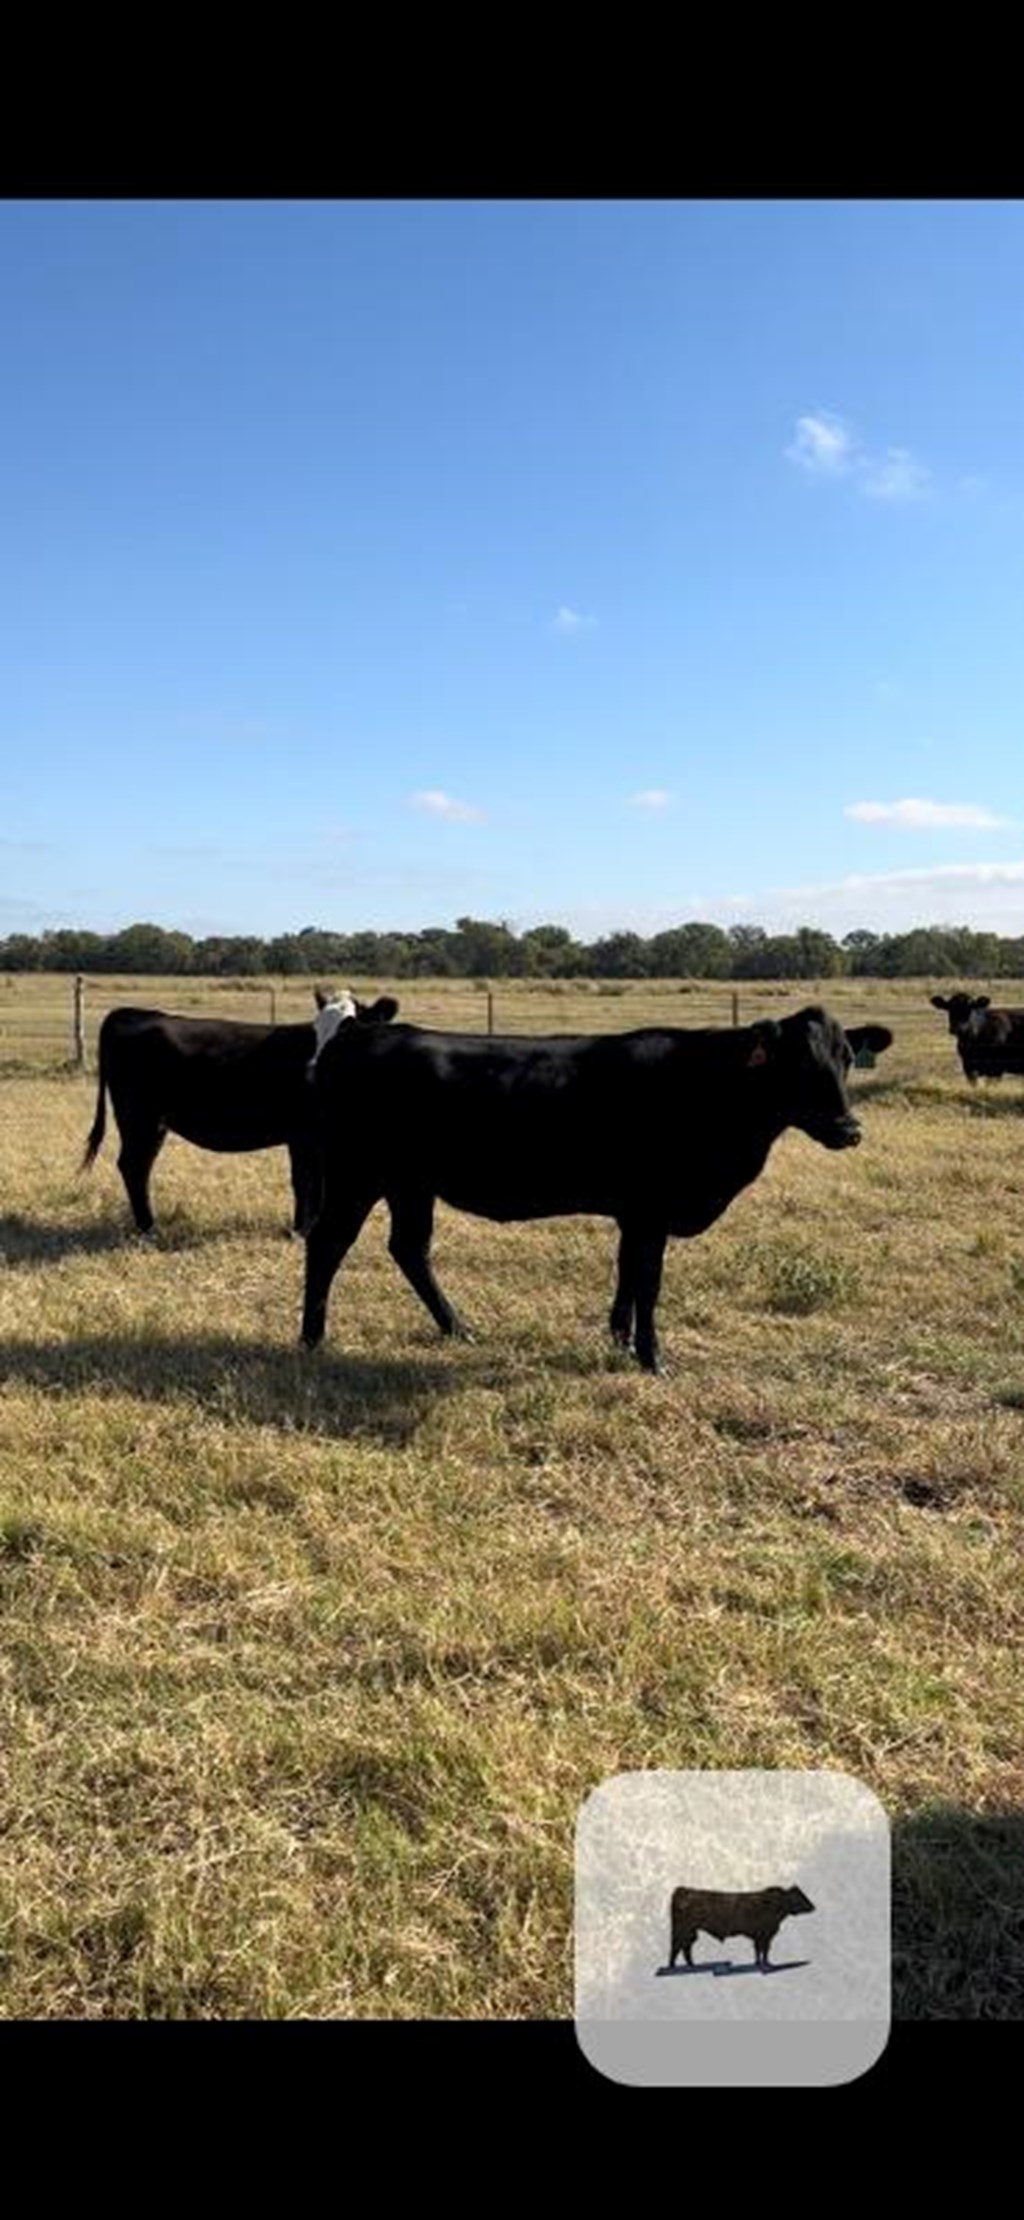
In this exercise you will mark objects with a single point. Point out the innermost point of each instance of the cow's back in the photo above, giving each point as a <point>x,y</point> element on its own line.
<point>221,1083</point>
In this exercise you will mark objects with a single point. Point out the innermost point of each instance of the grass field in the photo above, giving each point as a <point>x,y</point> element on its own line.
<point>306,1664</point>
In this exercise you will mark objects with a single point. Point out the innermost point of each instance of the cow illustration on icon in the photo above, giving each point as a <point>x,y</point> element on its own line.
<point>757,1913</point>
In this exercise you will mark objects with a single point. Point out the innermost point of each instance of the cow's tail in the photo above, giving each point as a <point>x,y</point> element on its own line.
<point>99,1123</point>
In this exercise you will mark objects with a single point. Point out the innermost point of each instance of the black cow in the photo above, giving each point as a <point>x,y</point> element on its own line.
<point>658,1129</point>
<point>757,1913</point>
<point>221,1083</point>
<point>990,1042</point>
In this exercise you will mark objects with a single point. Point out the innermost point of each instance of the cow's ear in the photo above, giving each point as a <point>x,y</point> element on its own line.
<point>767,1033</point>
<point>875,1037</point>
<point>939,1002</point>
<point>983,1002</point>
<point>320,998</point>
<point>384,1009</point>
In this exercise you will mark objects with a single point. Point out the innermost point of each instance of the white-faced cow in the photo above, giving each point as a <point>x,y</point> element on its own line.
<point>989,1041</point>
<point>221,1083</point>
<point>658,1129</point>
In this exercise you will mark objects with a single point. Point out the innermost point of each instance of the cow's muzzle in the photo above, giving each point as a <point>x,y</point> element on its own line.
<point>838,1133</point>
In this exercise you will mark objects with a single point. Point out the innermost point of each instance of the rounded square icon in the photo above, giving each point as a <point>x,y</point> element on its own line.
<point>732,1929</point>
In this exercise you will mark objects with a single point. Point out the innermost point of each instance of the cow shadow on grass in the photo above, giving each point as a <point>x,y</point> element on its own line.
<point>45,1241</point>
<point>725,1968</point>
<point>240,1381</point>
<point>38,1241</point>
<point>958,1914</point>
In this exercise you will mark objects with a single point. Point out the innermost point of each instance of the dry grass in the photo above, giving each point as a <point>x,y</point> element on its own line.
<point>307,1664</point>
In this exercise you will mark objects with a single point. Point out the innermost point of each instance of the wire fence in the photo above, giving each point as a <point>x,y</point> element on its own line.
<point>50,1021</point>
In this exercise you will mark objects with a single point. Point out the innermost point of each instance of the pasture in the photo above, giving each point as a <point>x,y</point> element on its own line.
<point>307,1662</point>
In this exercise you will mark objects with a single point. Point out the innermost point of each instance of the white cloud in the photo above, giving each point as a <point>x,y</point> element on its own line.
<point>930,875</point>
<point>825,446</point>
<point>651,797</point>
<point>898,476</point>
<point>989,895</point>
<point>569,622</point>
<point>981,894</point>
<point>922,816</point>
<point>434,803</point>
<point>822,444</point>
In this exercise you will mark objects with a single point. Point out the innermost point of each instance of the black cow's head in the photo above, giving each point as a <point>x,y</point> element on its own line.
<point>961,1008</point>
<point>805,1060</point>
<point>796,1901</point>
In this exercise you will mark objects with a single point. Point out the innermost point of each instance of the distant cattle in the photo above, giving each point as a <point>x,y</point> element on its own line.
<point>658,1129</point>
<point>756,1913</point>
<point>990,1041</point>
<point>220,1083</point>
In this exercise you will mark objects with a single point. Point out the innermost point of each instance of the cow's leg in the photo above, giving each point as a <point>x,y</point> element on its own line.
<point>140,1148</point>
<point>412,1225</point>
<point>307,1178</point>
<point>648,1258</point>
<point>329,1240</point>
<point>620,1320</point>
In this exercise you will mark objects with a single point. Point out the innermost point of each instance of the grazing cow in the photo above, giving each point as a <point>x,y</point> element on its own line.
<point>757,1913</point>
<point>218,1082</point>
<point>990,1042</point>
<point>658,1129</point>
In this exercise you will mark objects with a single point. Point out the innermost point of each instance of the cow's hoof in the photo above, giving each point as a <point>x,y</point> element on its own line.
<point>457,1331</point>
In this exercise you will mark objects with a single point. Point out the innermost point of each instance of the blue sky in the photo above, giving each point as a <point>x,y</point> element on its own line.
<point>609,563</point>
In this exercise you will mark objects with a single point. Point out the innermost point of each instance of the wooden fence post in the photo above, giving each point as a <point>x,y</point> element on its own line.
<point>735,1007</point>
<point>490,1011</point>
<point>273,1005</point>
<point>79,1021</point>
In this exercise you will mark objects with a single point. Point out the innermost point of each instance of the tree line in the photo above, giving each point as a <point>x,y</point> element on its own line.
<point>480,949</point>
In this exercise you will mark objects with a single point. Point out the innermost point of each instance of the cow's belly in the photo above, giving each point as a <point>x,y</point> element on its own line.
<point>515,1171</point>
<point>507,1196</point>
<point>508,1205</point>
<point>227,1138</point>
<point>505,1175</point>
<point>506,1187</point>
